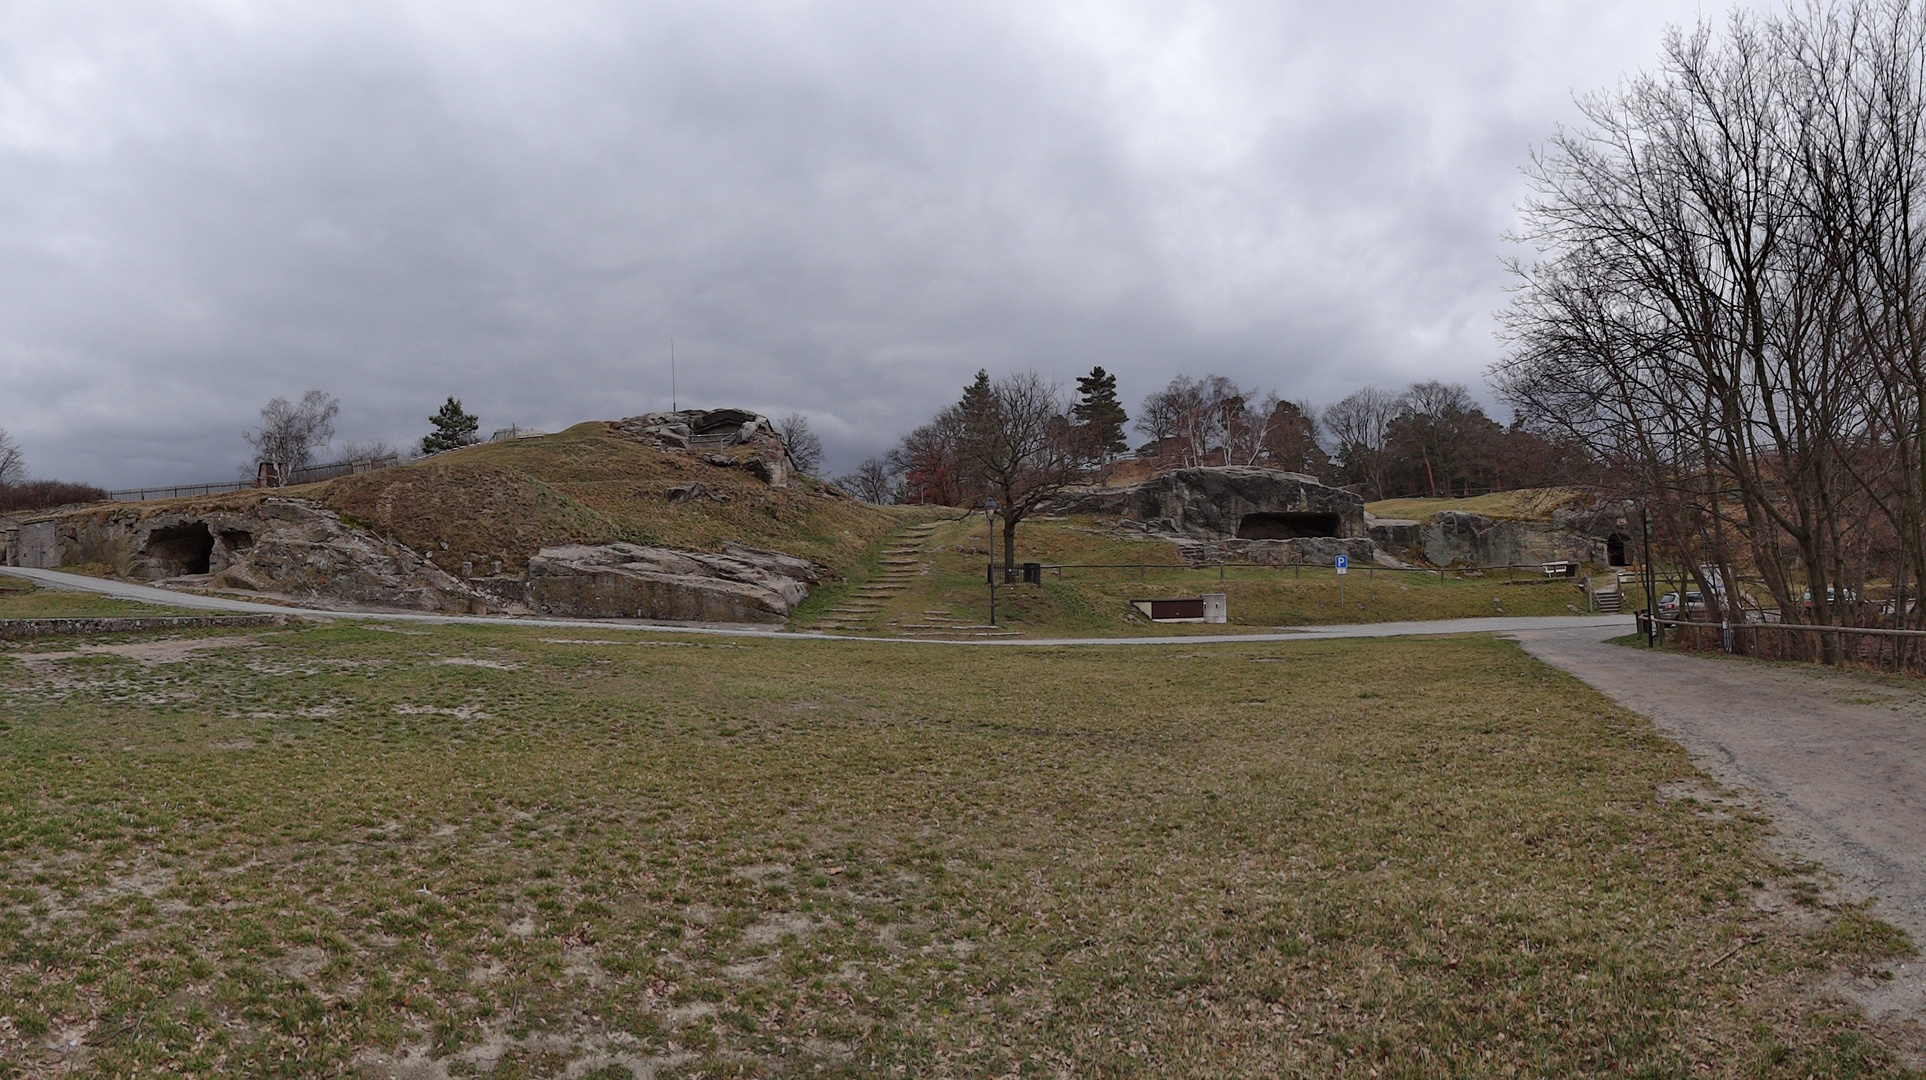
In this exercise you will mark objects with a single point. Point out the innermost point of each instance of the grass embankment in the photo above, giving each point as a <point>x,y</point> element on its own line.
<point>590,484</point>
<point>1525,504</point>
<point>22,599</point>
<point>1097,601</point>
<point>306,852</point>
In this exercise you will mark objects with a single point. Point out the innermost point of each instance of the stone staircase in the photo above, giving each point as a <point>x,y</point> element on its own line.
<point>944,624</point>
<point>902,563</point>
<point>1604,592</point>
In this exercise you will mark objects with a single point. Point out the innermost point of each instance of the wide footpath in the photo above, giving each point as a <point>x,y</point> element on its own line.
<point>147,594</point>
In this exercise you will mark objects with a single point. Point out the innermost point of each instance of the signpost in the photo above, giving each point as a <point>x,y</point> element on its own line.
<point>1343,564</point>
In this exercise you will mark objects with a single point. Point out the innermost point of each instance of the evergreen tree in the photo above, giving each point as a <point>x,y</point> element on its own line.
<point>976,435</point>
<point>453,429</point>
<point>1100,416</point>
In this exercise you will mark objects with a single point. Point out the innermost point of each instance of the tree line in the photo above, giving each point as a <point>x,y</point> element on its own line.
<point>1429,439</point>
<point>1727,308</point>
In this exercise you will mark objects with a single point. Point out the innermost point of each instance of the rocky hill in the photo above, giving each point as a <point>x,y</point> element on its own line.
<point>682,515</point>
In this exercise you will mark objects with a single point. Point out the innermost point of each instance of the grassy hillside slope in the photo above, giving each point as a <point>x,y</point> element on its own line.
<point>504,501</point>
<point>1525,504</point>
<point>1095,599</point>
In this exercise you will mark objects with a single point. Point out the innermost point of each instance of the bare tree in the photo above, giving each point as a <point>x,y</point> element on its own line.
<point>291,432</point>
<point>805,449</point>
<point>373,450</point>
<point>874,481</point>
<point>1185,418</point>
<point>1292,439</point>
<point>13,464</point>
<point>1359,428</point>
<point>1725,307</point>
<point>1018,448</point>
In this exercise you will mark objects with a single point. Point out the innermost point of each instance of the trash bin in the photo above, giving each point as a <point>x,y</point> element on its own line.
<point>1216,610</point>
<point>1032,573</point>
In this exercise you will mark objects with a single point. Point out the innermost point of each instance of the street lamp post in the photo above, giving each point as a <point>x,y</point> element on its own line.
<point>989,514</point>
<point>1651,586</point>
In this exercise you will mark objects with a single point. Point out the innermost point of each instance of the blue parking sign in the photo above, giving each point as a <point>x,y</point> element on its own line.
<point>1342,563</point>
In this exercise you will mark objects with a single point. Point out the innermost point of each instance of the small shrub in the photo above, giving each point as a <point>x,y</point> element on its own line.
<point>44,494</point>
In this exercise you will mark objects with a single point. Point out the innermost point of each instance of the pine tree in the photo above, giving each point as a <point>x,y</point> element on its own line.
<point>453,429</point>
<point>977,432</point>
<point>1100,416</point>
<point>978,399</point>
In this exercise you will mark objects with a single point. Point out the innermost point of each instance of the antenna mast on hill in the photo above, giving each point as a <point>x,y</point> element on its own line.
<point>672,404</point>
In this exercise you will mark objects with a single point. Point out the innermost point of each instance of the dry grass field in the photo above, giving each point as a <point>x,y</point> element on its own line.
<point>21,599</point>
<point>1525,504</point>
<point>516,852</point>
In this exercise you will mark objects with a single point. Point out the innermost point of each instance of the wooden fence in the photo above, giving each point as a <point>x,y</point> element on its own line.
<point>1889,648</point>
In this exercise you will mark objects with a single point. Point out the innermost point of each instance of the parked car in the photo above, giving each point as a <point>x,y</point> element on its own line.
<point>1834,598</point>
<point>1694,604</point>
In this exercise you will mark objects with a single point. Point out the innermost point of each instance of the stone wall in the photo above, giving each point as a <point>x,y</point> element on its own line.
<point>1316,551</point>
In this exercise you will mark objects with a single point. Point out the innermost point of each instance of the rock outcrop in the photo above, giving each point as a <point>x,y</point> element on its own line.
<point>739,585</point>
<point>286,547</point>
<point>728,438</point>
<point>1458,538</point>
<point>1223,502</point>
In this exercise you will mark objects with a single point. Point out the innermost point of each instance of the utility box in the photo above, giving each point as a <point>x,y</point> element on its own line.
<point>1216,607</point>
<point>1032,573</point>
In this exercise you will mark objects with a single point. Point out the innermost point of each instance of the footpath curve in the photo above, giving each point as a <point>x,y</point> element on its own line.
<point>1837,758</point>
<point>148,594</point>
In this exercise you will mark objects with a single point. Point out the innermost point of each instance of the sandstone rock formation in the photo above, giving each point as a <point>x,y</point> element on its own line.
<point>729,438</point>
<point>1458,538</point>
<point>1223,502</point>
<point>287,547</point>
<point>740,585</point>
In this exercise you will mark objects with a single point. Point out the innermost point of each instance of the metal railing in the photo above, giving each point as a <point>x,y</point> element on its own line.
<point>179,491</point>
<point>311,474</point>
<point>1536,575</point>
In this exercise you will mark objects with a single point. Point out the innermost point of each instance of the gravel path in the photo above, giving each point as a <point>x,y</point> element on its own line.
<point>148,594</point>
<point>1838,759</point>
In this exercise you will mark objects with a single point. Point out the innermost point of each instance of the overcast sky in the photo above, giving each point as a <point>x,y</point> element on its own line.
<point>838,209</point>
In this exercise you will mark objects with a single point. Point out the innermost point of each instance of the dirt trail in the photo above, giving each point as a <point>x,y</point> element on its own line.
<point>1838,759</point>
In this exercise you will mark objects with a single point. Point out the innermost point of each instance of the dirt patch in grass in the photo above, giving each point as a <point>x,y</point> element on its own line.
<point>1390,858</point>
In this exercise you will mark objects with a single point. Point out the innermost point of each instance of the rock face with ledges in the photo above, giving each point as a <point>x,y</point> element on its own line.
<point>739,585</point>
<point>1223,501</point>
<point>279,546</point>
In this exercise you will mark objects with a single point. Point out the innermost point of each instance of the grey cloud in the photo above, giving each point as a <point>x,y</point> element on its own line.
<point>838,209</point>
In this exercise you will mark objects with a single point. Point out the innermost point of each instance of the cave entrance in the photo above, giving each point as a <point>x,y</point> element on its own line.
<point>1297,525</point>
<point>1615,551</point>
<point>181,549</point>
